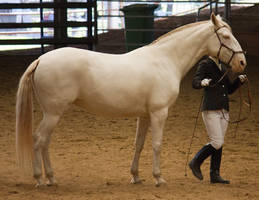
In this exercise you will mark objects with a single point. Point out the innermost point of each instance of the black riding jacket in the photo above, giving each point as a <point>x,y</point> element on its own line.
<point>215,98</point>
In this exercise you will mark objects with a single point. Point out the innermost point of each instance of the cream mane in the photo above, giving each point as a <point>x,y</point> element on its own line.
<point>185,27</point>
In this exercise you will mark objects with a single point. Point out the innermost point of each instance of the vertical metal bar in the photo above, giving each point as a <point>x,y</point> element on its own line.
<point>41,28</point>
<point>210,6</point>
<point>216,7</point>
<point>56,22</point>
<point>227,10</point>
<point>95,22</point>
<point>89,24</point>
<point>63,20</point>
<point>60,17</point>
<point>109,20</point>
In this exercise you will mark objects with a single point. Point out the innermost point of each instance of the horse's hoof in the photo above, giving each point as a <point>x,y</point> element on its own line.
<point>160,181</point>
<point>52,183</point>
<point>39,185</point>
<point>135,181</point>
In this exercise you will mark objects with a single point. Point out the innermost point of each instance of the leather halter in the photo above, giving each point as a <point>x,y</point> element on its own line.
<point>223,45</point>
<point>249,103</point>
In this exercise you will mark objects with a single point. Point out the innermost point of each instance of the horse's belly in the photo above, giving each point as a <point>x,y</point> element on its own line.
<point>115,108</point>
<point>114,93</point>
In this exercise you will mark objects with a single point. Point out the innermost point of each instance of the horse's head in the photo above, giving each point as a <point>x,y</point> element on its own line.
<point>224,46</point>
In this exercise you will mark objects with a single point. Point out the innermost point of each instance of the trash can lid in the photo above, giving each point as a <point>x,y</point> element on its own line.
<point>139,7</point>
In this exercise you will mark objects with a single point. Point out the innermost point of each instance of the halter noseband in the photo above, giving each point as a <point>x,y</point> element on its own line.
<point>223,45</point>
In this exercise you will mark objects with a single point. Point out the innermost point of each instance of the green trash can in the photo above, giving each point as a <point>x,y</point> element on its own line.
<point>139,24</point>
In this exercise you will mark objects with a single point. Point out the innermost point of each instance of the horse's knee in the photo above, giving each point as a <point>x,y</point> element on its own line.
<point>157,146</point>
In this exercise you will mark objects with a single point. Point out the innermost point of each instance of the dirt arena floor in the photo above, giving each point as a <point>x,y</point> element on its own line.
<point>92,155</point>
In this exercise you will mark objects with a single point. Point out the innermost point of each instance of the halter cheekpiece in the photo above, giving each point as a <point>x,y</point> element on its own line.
<point>223,45</point>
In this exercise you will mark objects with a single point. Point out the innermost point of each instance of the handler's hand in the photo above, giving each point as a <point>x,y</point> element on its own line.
<point>205,82</point>
<point>242,78</point>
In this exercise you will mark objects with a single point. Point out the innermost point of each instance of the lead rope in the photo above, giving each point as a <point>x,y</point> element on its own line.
<point>240,110</point>
<point>248,104</point>
<point>193,136</point>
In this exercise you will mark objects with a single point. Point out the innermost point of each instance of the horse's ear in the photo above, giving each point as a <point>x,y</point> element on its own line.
<point>219,17</point>
<point>214,20</point>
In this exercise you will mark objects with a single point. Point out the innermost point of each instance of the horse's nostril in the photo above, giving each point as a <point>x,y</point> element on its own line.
<point>242,63</point>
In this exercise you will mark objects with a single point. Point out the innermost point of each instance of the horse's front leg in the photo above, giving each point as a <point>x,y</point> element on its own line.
<point>157,125</point>
<point>142,127</point>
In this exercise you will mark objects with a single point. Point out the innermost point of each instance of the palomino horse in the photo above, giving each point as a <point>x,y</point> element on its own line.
<point>143,83</point>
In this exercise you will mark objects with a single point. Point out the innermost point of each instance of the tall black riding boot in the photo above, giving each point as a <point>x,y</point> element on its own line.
<point>215,168</point>
<point>198,159</point>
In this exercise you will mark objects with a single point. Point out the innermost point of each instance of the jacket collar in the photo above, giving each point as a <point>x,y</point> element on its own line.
<point>217,62</point>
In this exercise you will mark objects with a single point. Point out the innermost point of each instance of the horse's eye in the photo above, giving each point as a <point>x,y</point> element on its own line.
<point>226,36</point>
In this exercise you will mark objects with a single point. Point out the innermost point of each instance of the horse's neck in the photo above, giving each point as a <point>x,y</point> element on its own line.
<point>186,47</point>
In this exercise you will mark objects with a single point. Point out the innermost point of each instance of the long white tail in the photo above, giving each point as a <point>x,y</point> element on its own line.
<point>24,117</point>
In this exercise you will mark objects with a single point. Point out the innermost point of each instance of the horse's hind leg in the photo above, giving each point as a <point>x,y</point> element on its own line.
<point>41,144</point>
<point>142,127</point>
<point>157,125</point>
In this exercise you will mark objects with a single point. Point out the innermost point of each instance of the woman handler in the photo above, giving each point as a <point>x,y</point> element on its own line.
<point>215,108</point>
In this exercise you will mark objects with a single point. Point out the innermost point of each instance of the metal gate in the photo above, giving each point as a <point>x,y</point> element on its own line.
<point>59,24</point>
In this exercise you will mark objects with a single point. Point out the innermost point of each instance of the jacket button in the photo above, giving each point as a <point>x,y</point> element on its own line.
<point>224,95</point>
<point>223,85</point>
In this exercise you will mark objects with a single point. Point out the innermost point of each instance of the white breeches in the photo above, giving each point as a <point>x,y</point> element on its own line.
<point>216,126</point>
